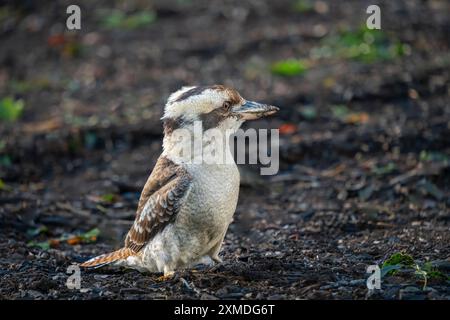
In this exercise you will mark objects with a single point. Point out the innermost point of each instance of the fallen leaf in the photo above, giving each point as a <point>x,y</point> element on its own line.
<point>357,118</point>
<point>45,245</point>
<point>90,236</point>
<point>87,237</point>
<point>43,126</point>
<point>4,186</point>
<point>288,128</point>
<point>56,40</point>
<point>74,240</point>
<point>54,242</point>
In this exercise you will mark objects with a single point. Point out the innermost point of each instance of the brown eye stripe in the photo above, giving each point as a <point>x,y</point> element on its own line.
<point>212,119</point>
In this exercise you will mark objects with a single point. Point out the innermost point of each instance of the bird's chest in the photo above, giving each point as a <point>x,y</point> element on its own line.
<point>214,193</point>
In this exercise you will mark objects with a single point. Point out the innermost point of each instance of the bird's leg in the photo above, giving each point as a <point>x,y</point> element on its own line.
<point>214,253</point>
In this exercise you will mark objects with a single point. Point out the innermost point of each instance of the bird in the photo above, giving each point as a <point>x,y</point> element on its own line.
<point>186,206</point>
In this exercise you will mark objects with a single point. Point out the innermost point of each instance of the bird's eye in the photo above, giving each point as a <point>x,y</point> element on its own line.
<point>227,105</point>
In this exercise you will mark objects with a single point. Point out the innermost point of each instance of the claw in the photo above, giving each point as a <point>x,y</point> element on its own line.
<point>167,276</point>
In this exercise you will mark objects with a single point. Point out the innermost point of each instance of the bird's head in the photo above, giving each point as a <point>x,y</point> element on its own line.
<point>215,106</point>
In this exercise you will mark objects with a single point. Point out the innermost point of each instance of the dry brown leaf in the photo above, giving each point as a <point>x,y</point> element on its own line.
<point>43,126</point>
<point>357,118</point>
<point>288,128</point>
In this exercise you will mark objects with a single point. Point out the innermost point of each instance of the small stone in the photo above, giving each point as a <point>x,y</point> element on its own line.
<point>206,296</point>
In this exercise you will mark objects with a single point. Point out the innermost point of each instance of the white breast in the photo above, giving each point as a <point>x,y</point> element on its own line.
<point>214,194</point>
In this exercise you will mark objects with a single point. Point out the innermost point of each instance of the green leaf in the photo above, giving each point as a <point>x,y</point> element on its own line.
<point>118,20</point>
<point>308,112</point>
<point>389,269</point>
<point>397,261</point>
<point>303,5</point>
<point>379,171</point>
<point>433,272</point>
<point>289,68</point>
<point>5,160</point>
<point>44,245</point>
<point>109,197</point>
<point>113,20</point>
<point>10,109</point>
<point>2,184</point>
<point>400,258</point>
<point>431,156</point>
<point>340,111</point>
<point>140,19</point>
<point>90,236</point>
<point>36,231</point>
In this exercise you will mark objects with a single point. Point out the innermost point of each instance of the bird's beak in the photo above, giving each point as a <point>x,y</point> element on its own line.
<point>251,110</point>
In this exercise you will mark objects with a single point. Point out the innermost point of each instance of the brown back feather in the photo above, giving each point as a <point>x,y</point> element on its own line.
<point>159,203</point>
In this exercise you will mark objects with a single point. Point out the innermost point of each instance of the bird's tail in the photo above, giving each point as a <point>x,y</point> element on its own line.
<point>108,258</point>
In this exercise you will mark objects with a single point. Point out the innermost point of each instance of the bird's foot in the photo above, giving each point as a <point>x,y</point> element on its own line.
<point>216,259</point>
<point>215,267</point>
<point>218,262</point>
<point>167,276</point>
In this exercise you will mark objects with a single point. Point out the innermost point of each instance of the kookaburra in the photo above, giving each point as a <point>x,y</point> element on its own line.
<point>186,206</point>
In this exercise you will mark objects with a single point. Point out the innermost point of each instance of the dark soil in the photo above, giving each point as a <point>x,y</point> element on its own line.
<point>351,190</point>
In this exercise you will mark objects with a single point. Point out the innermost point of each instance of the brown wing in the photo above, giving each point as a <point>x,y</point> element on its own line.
<point>160,202</point>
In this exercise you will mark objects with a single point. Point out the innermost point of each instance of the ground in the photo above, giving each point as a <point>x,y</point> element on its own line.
<point>364,150</point>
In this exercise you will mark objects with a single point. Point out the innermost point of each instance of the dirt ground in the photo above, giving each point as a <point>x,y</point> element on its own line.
<point>364,155</point>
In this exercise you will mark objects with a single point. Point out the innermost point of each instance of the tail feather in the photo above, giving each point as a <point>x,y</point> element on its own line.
<point>107,258</point>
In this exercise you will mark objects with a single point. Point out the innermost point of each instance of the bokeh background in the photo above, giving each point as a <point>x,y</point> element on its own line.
<point>364,127</point>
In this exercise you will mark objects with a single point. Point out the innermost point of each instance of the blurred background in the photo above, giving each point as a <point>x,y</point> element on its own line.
<point>364,157</point>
